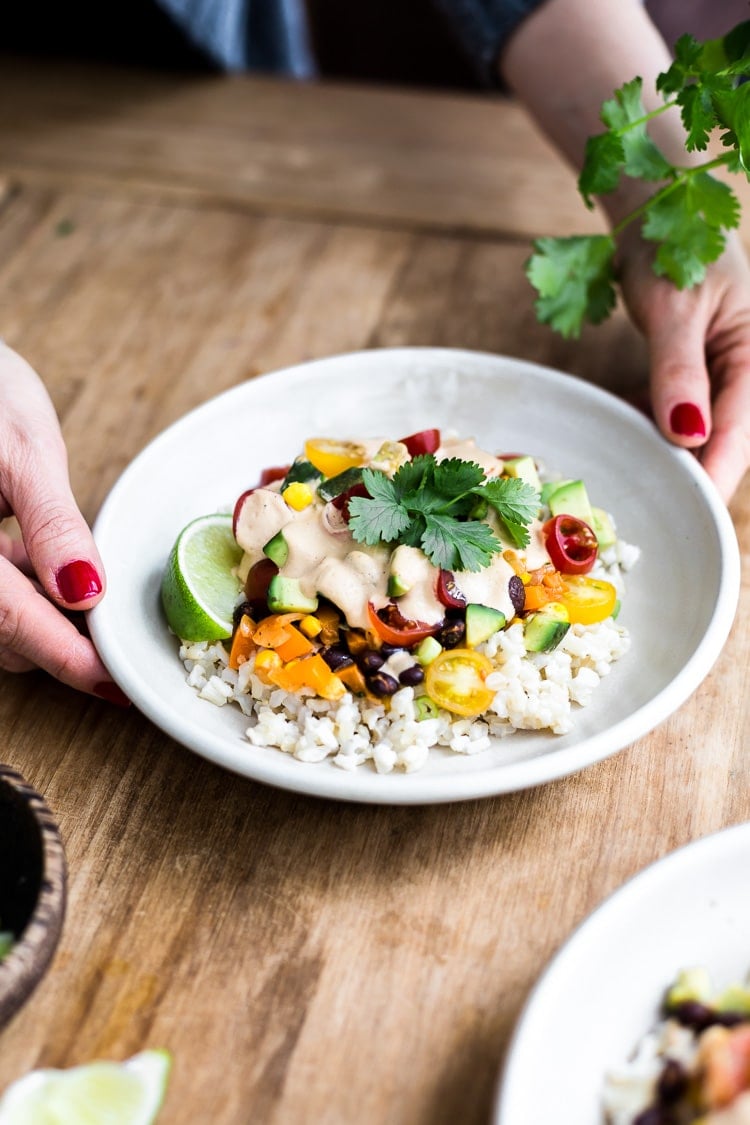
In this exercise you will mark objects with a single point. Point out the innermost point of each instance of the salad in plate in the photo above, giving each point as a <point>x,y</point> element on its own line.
<point>378,598</point>
<point>693,1066</point>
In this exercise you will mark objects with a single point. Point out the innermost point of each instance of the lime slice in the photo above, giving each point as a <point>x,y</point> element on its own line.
<point>199,590</point>
<point>97,1093</point>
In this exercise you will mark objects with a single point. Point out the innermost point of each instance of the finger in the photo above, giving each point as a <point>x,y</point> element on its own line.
<point>14,551</point>
<point>680,385</point>
<point>11,662</point>
<point>726,456</point>
<point>35,485</point>
<point>34,631</point>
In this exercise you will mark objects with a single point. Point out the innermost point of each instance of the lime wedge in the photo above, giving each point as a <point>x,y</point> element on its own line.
<point>97,1093</point>
<point>199,590</point>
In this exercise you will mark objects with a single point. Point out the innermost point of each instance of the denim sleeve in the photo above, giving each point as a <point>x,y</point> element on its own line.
<point>270,35</point>
<point>482,27</point>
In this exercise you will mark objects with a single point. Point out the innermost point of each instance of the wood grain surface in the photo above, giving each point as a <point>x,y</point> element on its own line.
<point>304,961</point>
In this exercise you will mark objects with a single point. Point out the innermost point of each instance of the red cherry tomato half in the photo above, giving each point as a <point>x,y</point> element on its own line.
<point>448,592</point>
<point>257,582</point>
<point>394,629</point>
<point>274,472</point>
<point>571,544</point>
<point>342,500</point>
<point>426,441</point>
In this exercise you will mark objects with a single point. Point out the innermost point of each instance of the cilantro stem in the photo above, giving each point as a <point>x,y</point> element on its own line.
<point>684,173</point>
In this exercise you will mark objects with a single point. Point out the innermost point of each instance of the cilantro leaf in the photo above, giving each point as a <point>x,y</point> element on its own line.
<point>414,474</point>
<point>459,545</point>
<point>687,223</point>
<point>602,164</point>
<point>455,477</point>
<point>378,517</point>
<point>516,503</point>
<point>626,114</point>
<point>574,277</point>
<point>428,503</point>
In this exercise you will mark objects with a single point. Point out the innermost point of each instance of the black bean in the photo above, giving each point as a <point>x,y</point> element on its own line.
<point>370,660</point>
<point>656,1115</point>
<point>380,683</point>
<point>411,676</point>
<point>693,1014</point>
<point>729,1019</point>
<point>672,1084</point>
<point>516,593</point>
<point>239,611</point>
<point>388,650</point>
<point>336,658</point>
<point>452,633</point>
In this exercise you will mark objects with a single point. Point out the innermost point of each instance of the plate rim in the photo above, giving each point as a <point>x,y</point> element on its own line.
<point>446,788</point>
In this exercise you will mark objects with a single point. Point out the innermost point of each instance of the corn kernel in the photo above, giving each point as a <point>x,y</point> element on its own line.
<point>310,625</point>
<point>298,495</point>
<point>267,661</point>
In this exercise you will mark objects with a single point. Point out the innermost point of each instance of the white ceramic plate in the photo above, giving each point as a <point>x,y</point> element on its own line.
<point>680,604</point>
<point>601,992</point>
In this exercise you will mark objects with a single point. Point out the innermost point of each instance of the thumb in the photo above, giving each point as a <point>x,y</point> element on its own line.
<point>680,385</point>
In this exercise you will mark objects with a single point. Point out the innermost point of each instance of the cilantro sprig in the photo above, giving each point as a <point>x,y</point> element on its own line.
<point>687,215</point>
<point>438,507</point>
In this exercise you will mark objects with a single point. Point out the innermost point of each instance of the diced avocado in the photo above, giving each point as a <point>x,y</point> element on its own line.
<point>427,650</point>
<point>285,596</point>
<point>551,486</point>
<point>525,469</point>
<point>301,471</point>
<point>397,586</point>
<point>603,528</point>
<point>691,984</point>
<point>277,549</point>
<point>543,631</point>
<point>572,499</point>
<point>342,482</point>
<point>482,621</point>
<point>736,998</point>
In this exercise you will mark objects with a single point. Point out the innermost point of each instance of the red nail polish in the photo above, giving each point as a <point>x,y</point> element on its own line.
<point>110,691</point>
<point>78,581</point>
<point>687,420</point>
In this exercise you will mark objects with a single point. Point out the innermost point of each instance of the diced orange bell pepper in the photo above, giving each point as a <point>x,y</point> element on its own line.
<point>353,678</point>
<point>273,631</point>
<point>724,1062</point>
<point>309,671</point>
<point>295,645</point>
<point>242,642</point>
<point>537,596</point>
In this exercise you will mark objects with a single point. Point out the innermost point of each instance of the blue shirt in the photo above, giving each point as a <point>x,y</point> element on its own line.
<point>272,35</point>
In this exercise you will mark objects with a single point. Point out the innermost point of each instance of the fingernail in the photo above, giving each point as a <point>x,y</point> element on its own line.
<point>110,691</point>
<point>687,420</point>
<point>78,581</point>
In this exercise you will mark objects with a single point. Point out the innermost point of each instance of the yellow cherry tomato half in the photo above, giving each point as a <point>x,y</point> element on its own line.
<point>587,600</point>
<point>455,680</point>
<point>332,457</point>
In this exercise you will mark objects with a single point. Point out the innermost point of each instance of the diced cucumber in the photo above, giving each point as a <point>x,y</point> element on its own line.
<point>482,622</point>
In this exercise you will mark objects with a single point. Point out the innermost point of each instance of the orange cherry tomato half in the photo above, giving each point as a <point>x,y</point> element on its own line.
<point>571,544</point>
<point>332,457</point>
<point>393,628</point>
<point>587,600</point>
<point>455,680</point>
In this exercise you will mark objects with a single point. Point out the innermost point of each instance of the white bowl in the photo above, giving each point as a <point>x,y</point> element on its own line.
<point>681,597</point>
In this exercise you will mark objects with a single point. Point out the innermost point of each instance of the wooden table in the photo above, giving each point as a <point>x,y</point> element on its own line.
<point>161,239</point>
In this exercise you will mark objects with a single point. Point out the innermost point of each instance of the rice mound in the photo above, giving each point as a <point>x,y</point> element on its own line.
<point>534,691</point>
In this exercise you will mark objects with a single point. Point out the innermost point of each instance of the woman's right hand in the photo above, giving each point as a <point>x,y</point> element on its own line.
<point>57,565</point>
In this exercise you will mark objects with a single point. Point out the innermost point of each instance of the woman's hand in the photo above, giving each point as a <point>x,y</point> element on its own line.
<point>57,566</point>
<point>699,347</point>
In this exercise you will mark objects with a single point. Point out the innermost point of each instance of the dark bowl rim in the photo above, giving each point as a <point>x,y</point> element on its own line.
<point>26,963</point>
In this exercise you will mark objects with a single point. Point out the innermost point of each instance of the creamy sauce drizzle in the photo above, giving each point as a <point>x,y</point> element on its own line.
<point>351,574</point>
